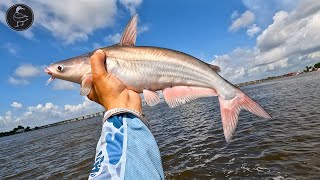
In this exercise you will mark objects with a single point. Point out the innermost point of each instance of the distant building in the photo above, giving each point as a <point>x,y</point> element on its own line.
<point>20,131</point>
<point>292,74</point>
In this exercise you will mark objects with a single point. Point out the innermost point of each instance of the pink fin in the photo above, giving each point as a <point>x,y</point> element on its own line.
<point>130,33</point>
<point>86,86</point>
<point>230,110</point>
<point>178,95</point>
<point>151,98</point>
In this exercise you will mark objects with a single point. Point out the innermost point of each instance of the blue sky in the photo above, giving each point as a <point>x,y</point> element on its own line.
<point>248,39</point>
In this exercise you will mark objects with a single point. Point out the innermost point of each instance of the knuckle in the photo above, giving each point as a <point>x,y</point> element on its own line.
<point>93,58</point>
<point>98,77</point>
<point>95,76</point>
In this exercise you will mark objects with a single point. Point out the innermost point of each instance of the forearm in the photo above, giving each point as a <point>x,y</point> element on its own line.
<point>122,146</point>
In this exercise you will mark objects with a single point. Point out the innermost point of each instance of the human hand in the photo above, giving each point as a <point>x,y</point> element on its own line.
<point>109,91</point>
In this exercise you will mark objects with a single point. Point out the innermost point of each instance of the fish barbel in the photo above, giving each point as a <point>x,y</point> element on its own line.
<point>181,77</point>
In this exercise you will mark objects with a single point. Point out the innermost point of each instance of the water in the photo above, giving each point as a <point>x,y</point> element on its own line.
<point>191,140</point>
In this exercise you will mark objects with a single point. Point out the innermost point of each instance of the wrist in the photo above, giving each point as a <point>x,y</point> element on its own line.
<point>139,110</point>
<point>116,111</point>
<point>123,105</point>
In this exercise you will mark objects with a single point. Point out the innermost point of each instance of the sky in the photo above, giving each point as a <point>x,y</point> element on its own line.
<point>248,39</point>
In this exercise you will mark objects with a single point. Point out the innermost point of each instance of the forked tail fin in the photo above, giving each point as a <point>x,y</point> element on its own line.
<point>230,110</point>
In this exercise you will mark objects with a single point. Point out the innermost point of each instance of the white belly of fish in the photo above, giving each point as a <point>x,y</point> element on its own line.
<point>155,75</point>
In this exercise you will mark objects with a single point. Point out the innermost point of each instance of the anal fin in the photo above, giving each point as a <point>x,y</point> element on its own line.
<point>151,98</point>
<point>178,95</point>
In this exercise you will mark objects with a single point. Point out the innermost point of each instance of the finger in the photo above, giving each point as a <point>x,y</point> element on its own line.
<point>90,95</point>
<point>98,63</point>
<point>93,96</point>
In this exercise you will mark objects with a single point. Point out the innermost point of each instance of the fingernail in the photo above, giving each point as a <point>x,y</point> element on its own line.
<point>99,51</point>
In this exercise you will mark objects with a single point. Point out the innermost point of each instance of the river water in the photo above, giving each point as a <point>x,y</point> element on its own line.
<point>191,139</point>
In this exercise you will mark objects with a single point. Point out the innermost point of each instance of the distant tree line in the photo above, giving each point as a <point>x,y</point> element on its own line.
<point>310,68</point>
<point>17,130</point>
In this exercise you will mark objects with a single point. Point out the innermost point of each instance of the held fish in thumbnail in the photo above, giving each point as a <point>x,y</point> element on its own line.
<point>145,69</point>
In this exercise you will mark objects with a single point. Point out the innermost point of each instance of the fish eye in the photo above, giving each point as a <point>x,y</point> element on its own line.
<point>60,68</point>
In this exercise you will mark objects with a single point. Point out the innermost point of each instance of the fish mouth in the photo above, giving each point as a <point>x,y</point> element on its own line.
<point>47,70</point>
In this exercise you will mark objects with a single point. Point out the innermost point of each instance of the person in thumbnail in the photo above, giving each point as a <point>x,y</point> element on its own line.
<point>126,148</point>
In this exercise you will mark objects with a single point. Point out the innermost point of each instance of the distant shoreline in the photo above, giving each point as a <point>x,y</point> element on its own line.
<point>272,78</point>
<point>21,129</point>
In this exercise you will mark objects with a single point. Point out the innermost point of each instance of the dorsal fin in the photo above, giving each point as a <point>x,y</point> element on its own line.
<point>130,33</point>
<point>215,68</point>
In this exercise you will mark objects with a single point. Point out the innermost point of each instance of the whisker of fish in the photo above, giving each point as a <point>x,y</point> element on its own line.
<point>49,80</point>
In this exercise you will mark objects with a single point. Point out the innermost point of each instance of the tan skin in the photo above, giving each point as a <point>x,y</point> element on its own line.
<point>107,90</point>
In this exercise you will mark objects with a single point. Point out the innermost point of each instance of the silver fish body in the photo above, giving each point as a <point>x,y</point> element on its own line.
<point>155,68</point>
<point>181,77</point>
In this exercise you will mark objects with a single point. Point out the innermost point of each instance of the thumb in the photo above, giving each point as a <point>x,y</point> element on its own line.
<point>97,60</point>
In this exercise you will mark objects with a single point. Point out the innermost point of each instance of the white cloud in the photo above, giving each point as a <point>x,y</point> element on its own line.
<point>27,71</point>
<point>291,34</point>
<point>131,5</point>
<point>71,20</point>
<point>63,85</point>
<point>141,29</point>
<point>27,33</point>
<point>114,38</point>
<point>265,10</point>
<point>234,65</point>
<point>48,107</point>
<point>86,104</point>
<point>252,30</point>
<point>6,119</point>
<point>96,45</point>
<point>234,15</point>
<point>16,105</point>
<point>245,19</point>
<point>288,44</point>
<point>15,81</point>
<point>46,113</point>
<point>11,48</point>
<point>314,55</point>
<point>23,73</point>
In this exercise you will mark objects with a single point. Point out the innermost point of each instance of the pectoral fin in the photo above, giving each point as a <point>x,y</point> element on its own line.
<point>86,86</point>
<point>151,98</point>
